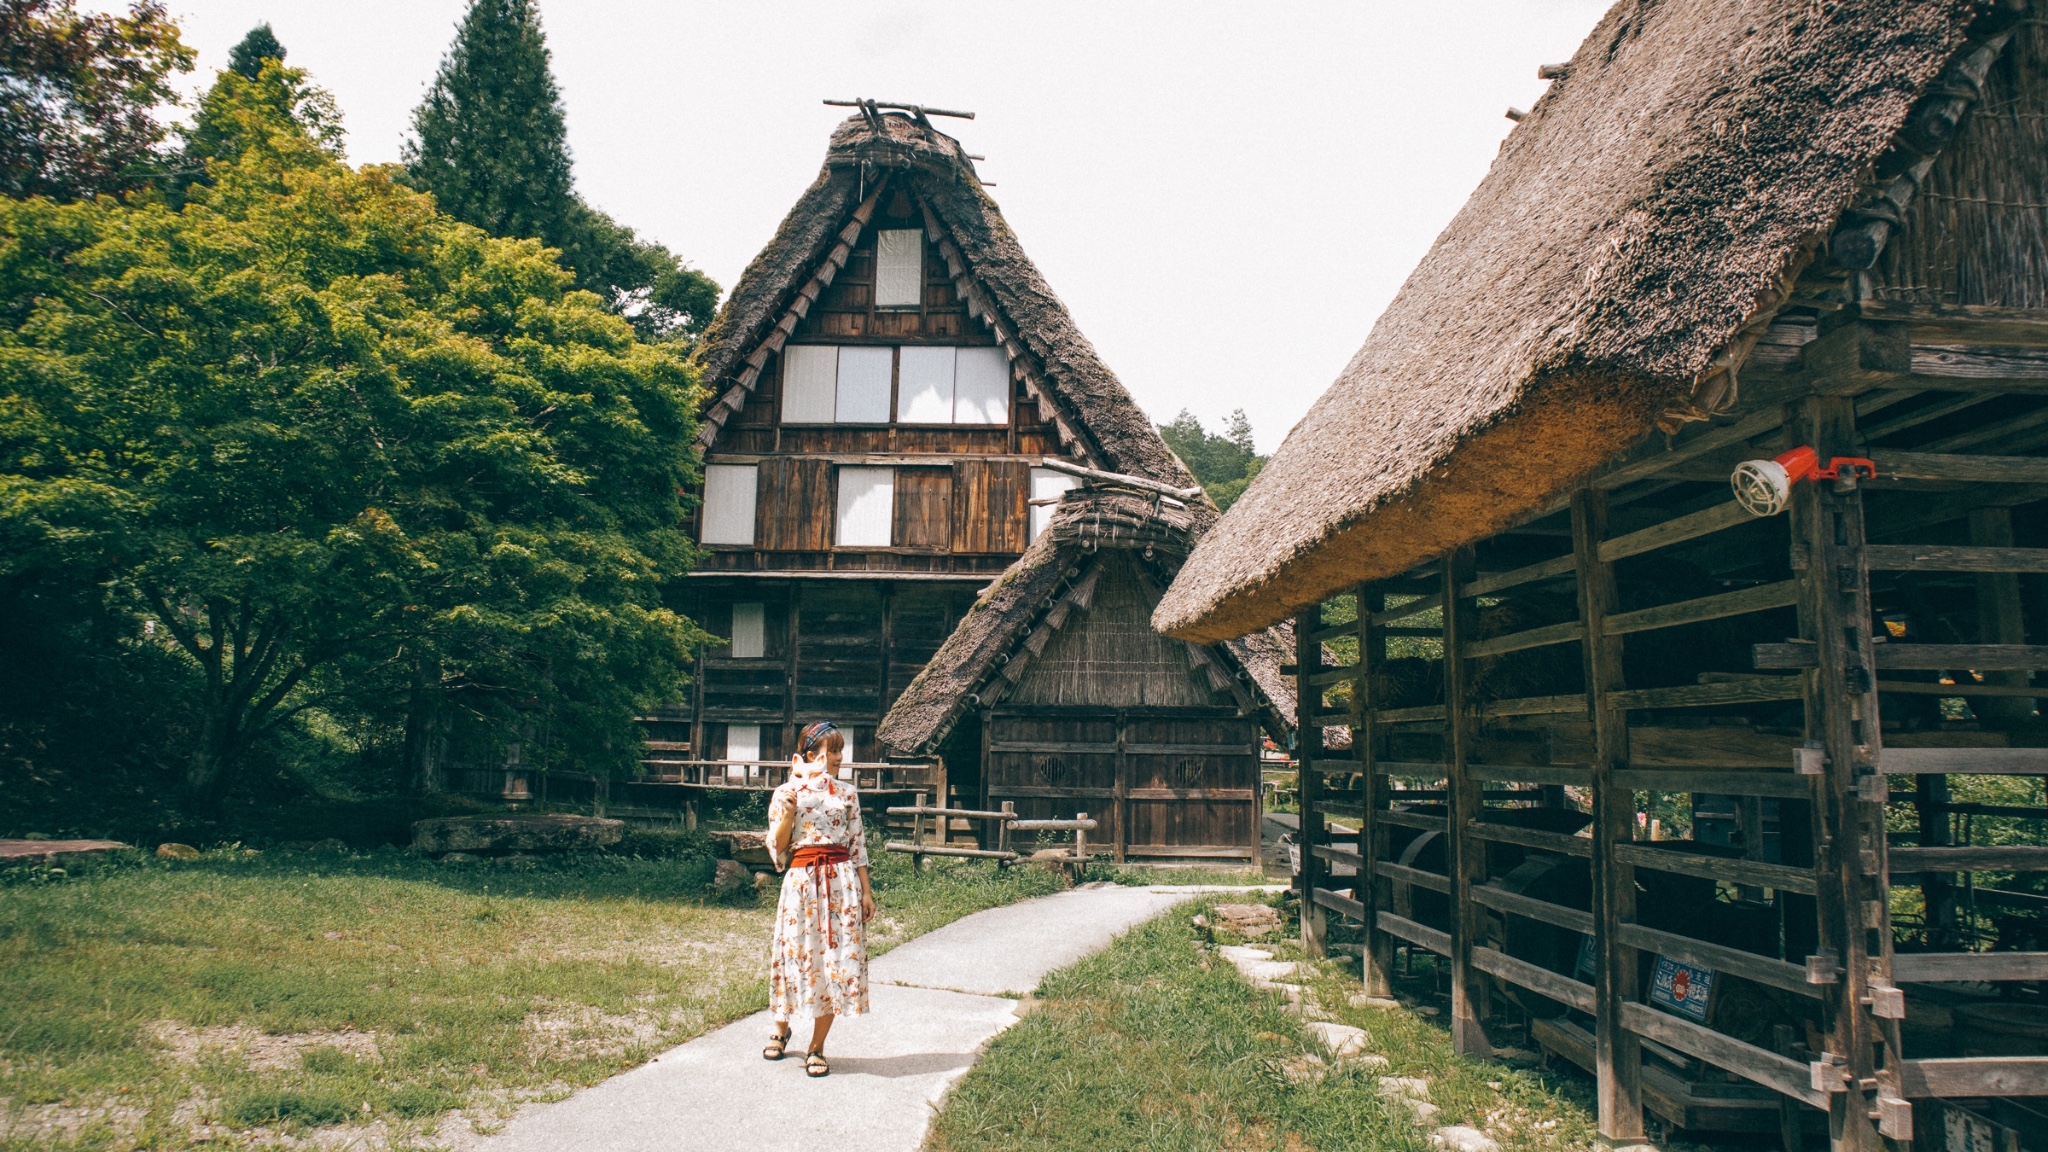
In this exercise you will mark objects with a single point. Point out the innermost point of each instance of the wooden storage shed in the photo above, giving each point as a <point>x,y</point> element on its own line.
<point>1056,695</point>
<point>887,381</point>
<point>1742,812</point>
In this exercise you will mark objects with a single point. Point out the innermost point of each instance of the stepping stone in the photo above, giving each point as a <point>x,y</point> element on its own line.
<point>1257,970</point>
<point>1361,1000</point>
<point>1248,919</point>
<point>1459,1138</point>
<point>1400,1087</point>
<point>24,849</point>
<point>1340,1039</point>
<point>1239,954</point>
<point>1372,1061</point>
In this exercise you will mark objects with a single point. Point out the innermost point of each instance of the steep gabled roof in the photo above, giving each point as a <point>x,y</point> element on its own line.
<point>1097,419</point>
<point>1636,232</point>
<point>1012,621</point>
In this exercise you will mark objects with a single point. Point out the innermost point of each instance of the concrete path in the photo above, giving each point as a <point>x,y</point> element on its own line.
<point>935,1002</point>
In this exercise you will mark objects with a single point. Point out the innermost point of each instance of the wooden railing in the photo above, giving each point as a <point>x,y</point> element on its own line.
<point>1006,822</point>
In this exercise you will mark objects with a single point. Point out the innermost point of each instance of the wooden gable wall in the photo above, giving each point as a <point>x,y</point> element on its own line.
<point>961,490</point>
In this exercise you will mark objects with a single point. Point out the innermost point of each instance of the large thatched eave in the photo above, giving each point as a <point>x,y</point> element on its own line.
<point>1603,279</point>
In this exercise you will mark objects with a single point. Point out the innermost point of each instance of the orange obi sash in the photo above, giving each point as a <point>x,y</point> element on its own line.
<point>818,858</point>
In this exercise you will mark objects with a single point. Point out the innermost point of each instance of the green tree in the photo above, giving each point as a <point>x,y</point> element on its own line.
<point>320,437</point>
<point>1224,464</point>
<point>278,111</point>
<point>78,95</point>
<point>259,45</point>
<point>491,144</point>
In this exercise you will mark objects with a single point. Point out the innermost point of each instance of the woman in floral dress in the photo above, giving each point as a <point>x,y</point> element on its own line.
<point>819,966</point>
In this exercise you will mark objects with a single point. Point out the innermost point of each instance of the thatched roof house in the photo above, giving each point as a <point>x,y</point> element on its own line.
<point>1098,422</point>
<point>1052,590</point>
<point>1640,227</point>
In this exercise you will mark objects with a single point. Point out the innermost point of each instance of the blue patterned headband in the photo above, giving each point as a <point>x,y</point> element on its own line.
<point>814,735</point>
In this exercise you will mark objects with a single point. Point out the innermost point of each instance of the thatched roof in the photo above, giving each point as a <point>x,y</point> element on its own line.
<point>1013,618</point>
<point>1006,291</point>
<point>1657,201</point>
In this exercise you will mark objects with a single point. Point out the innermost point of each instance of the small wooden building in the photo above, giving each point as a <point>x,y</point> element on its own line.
<point>1740,811</point>
<point>1055,694</point>
<point>885,383</point>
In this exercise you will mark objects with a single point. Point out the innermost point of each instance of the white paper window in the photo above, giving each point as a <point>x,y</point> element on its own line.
<point>867,507</point>
<point>864,385</point>
<point>981,387</point>
<point>810,383</point>
<point>925,385</point>
<point>742,742</point>
<point>749,631</point>
<point>899,268</point>
<point>729,503</point>
<point>1047,484</point>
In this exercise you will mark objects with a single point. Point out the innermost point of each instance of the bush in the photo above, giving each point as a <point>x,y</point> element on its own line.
<point>664,844</point>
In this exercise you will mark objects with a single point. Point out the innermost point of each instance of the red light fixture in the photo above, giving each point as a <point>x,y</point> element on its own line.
<point>1764,487</point>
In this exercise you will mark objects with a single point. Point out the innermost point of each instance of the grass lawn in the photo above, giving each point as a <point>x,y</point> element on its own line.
<point>1158,1044</point>
<point>374,998</point>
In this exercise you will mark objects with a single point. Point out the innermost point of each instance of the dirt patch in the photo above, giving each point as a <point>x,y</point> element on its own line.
<point>581,1032</point>
<point>262,1051</point>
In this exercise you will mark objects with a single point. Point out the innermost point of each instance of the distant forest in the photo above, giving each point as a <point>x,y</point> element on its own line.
<point>1225,462</point>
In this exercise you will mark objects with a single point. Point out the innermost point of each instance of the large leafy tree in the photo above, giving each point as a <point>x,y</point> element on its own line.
<point>490,142</point>
<point>77,93</point>
<point>327,441</point>
<point>1225,462</point>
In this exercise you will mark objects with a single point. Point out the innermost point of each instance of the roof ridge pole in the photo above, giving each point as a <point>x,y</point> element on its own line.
<point>1462,791</point>
<point>1617,1059</point>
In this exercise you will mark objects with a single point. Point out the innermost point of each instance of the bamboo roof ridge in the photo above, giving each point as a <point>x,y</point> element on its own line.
<point>1105,427</point>
<point>1604,278</point>
<point>1034,596</point>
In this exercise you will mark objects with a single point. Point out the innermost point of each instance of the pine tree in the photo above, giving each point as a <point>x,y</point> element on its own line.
<point>259,45</point>
<point>490,143</point>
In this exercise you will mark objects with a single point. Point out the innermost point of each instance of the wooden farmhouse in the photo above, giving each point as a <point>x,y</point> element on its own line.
<point>1711,765</point>
<point>1055,695</point>
<point>889,380</point>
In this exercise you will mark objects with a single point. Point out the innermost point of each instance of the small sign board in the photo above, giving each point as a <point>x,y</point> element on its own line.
<point>1685,989</point>
<point>1588,966</point>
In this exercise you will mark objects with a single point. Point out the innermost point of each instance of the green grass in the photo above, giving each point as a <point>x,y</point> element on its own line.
<point>1157,1044</point>
<point>150,1003</point>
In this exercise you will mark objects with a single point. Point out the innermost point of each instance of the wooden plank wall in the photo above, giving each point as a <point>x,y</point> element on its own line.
<point>1620,655</point>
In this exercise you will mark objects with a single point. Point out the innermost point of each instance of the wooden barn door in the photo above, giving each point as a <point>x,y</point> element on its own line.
<point>1174,782</point>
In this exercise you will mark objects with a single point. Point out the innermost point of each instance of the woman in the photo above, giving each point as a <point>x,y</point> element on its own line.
<point>819,966</point>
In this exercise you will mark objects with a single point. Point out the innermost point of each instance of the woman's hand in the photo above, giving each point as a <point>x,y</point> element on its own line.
<point>867,905</point>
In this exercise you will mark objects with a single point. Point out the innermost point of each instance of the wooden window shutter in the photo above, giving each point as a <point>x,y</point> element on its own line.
<point>924,508</point>
<point>729,495</point>
<point>796,505</point>
<point>988,505</point>
<point>899,268</point>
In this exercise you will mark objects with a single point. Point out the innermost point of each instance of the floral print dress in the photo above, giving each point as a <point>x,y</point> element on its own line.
<point>819,964</point>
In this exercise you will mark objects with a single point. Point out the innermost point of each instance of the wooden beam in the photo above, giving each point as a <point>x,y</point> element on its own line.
<point>1961,323</point>
<point>1532,838</point>
<point>1968,967</point>
<point>1566,775</point>
<point>1953,558</point>
<point>1543,911</point>
<point>1965,761</point>
<point>1434,881</point>
<point>1563,989</point>
<point>1415,820</point>
<point>1415,607</point>
<point>1376,958</point>
<point>2012,858</point>
<point>1467,859</point>
<point>1517,641</point>
<point>1725,1052</point>
<point>1536,706</point>
<point>1961,469</point>
<point>1419,934</point>
<point>1344,905</point>
<point>1755,689</point>
<point>1781,785</point>
<point>1976,1076</point>
<point>1490,582</point>
<point>1721,958</point>
<point>1918,657</point>
<point>1652,459</point>
<point>1783,594</point>
<point>1755,873</point>
<point>1675,531</point>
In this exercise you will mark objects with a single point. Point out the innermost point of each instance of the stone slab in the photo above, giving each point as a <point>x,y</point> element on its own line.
<point>515,833</point>
<point>25,849</point>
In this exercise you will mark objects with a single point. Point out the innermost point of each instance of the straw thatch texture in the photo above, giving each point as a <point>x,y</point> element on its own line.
<point>1034,595</point>
<point>1660,195</point>
<point>1095,404</point>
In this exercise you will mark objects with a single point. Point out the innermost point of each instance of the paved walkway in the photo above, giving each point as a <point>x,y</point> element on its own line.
<point>936,1001</point>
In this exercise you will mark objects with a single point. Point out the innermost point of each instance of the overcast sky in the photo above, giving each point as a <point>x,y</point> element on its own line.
<point>1225,195</point>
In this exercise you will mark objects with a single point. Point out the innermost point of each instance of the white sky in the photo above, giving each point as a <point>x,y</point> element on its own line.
<point>1225,195</point>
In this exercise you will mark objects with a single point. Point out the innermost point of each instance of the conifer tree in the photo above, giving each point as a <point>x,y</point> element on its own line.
<point>259,45</point>
<point>491,144</point>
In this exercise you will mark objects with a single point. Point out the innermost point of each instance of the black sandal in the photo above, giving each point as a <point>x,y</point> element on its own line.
<point>776,1046</point>
<point>815,1066</point>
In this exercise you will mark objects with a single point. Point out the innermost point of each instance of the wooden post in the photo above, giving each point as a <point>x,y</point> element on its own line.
<point>1462,793</point>
<point>1617,1055</point>
<point>1308,741</point>
<point>2000,619</point>
<point>1080,849</point>
<point>917,834</point>
<point>1003,832</point>
<point>1373,892</point>
<point>1120,801</point>
<point>1849,854</point>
